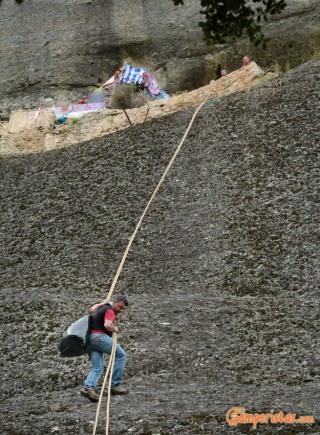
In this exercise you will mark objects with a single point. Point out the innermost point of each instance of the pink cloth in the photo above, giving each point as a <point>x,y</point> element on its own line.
<point>151,83</point>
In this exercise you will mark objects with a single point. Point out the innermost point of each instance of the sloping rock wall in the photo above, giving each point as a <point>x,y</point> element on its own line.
<point>222,278</point>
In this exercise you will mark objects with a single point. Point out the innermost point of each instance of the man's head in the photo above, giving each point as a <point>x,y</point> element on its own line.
<point>120,303</point>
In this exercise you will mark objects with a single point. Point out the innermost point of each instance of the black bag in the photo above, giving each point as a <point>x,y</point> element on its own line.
<point>75,338</point>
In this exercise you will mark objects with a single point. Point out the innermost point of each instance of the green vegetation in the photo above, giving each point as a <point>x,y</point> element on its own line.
<point>229,18</point>
<point>288,67</point>
<point>315,56</point>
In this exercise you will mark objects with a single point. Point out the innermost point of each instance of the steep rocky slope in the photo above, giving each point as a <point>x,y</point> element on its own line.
<point>58,51</point>
<point>223,277</point>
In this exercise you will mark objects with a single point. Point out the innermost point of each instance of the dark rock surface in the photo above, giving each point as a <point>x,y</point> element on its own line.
<point>222,278</point>
<point>57,52</point>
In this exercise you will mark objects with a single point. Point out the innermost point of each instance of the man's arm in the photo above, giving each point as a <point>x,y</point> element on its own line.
<point>109,325</point>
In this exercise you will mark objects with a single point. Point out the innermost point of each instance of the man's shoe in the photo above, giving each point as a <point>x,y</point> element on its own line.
<point>90,393</point>
<point>119,389</point>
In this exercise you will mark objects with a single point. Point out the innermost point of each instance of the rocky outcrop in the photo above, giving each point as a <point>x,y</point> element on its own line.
<point>57,51</point>
<point>222,277</point>
<point>17,137</point>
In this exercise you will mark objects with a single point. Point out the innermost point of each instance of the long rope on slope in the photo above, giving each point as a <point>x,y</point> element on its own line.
<point>115,280</point>
<point>110,366</point>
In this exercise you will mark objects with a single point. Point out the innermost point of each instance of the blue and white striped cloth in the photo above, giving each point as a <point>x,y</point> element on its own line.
<point>130,74</point>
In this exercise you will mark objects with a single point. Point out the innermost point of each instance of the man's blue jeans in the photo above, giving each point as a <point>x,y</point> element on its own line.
<point>98,345</point>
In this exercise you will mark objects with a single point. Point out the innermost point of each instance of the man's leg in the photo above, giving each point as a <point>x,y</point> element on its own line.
<point>119,364</point>
<point>97,362</point>
<point>103,343</point>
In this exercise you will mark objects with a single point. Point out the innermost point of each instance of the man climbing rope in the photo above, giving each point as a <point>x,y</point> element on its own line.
<point>100,342</point>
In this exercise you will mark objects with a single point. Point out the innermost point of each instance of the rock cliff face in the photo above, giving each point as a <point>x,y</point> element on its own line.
<point>222,277</point>
<point>55,51</point>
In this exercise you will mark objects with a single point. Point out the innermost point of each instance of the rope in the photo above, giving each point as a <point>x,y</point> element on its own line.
<point>112,358</point>
<point>111,364</point>
<point>115,280</point>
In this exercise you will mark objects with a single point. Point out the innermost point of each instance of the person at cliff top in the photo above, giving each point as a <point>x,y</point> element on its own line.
<point>246,61</point>
<point>218,71</point>
<point>223,73</point>
<point>100,342</point>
